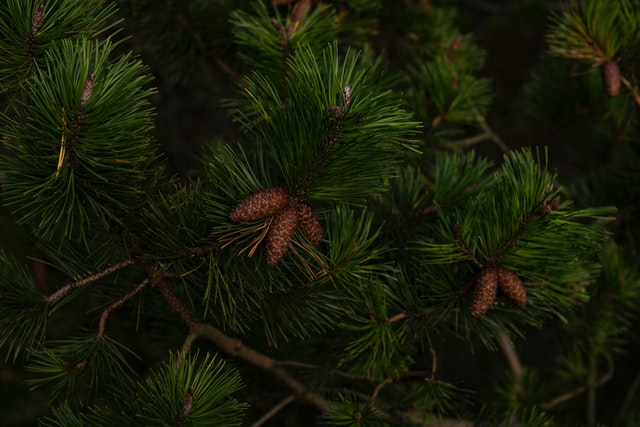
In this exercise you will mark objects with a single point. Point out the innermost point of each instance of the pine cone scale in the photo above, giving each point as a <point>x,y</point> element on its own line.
<point>611,78</point>
<point>260,204</point>
<point>309,224</point>
<point>512,286</point>
<point>485,291</point>
<point>280,234</point>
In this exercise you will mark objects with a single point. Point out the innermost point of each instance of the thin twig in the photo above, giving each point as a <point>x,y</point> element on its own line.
<point>627,400</point>
<point>87,280</point>
<point>491,134</point>
<point>115,305</point>
<point>434,364</point>
<point>186,346</point>
<point>633,89</point>
<point>409,374</point>
<point>398,317</point>
<point>379,387</point>
<point>570,395</point>
<point>472,140</point>
<point>513,361</point>
<point>281,405</point>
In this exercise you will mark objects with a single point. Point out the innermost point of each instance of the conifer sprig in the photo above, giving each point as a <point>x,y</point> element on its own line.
<point>593,31</point>
<point>523,228</point>
<point>320,154</point>
<point>268,41</point>
<point>76,366</point>
<point>23,311</point>
<point>195,390</point>
<point>30,28</point>
<point>74,162</point>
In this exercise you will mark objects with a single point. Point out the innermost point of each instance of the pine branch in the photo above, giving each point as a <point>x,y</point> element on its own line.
<point>514,363</point>
<point>552,403</point>
<point>88,280</point>
<point>273,411</point>
<point>107,311</point>
<point>234,347</point>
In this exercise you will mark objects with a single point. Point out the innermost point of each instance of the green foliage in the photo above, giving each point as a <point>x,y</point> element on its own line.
<point>604,323</point>
<point>377,348</point>
<point>267,42</point>
<point>63,416</point>
<point>23,45</point>
<point>76,367</point>
<point>166,229</point>
<point>70,165</point>
<point>354,412</point>
<point>314,148</point>
<point>23,311</point>
<point>329,103</point>
<point>594,31</point>
<point>454,97</point>
<point>191,391</point>
<point>515,220</point>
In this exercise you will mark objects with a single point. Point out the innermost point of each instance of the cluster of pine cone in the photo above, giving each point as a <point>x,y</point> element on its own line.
<point>289,213</point>
<point>487,284</point>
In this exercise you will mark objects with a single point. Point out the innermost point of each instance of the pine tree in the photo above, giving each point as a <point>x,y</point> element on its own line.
<point>298,212</point>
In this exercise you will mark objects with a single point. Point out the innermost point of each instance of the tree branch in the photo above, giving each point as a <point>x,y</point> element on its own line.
<point>87,280</point>
<point>490,134</point>
<point>514,363</point>
<point>115,305</point>
<point>277,408</point>
<point>570,395</point>
<point>235,347</point>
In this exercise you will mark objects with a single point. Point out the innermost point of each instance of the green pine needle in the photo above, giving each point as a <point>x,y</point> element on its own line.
<point>79,367</point>
<point>323,155</point>
<point>194,391</point>
<point>354,412</point>
<point>69,167</point>
<point>22,51</point>
<point>23,312</point>
<point>593,31</point>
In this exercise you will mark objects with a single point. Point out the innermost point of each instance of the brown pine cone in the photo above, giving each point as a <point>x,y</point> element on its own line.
<point>309,224</point>
<point>485,291</point>
<point>282,229</point>
<point>512,286</point>
<point>611,78</point>
<point>262,203</point>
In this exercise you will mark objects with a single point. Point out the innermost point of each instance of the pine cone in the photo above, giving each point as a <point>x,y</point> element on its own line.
<point>309,224</point>
<point>262,203</point>
<point>485,291</point>
<point>280,234</point>
<point>611,78</point>
<point>512,286</point>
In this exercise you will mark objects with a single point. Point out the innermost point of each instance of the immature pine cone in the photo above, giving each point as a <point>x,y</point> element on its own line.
<point>485,291</point>
<point>512,286</point>
<point>309,224</point>
<point>282,229</point>
<point>262,203</point>
<point>611,78</point>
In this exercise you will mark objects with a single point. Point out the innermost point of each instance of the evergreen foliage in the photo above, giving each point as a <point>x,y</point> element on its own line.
<point>341,246</point>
